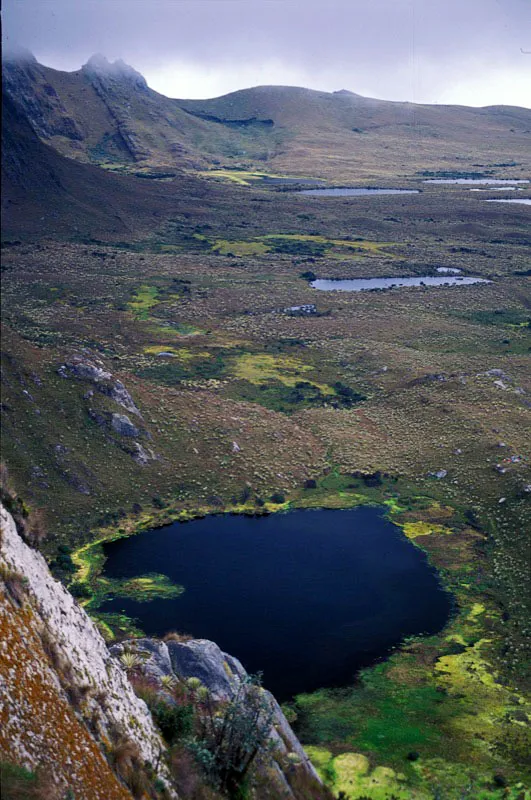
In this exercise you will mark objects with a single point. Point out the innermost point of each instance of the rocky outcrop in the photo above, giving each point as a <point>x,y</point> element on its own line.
<point>112,82</point>
<point>94,372</point>
<point>54,661</point>
<point>223,676</point>
<point>119,428</point>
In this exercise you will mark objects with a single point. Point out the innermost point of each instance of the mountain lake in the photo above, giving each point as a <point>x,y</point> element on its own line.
<point>372,284</point>
<point>308,598</point>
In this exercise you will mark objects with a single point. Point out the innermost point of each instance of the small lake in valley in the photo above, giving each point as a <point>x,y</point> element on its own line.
<point>524,201</point>
<point>331,192</point>
<point>371,284</point>
<point>307,597</point>
<point>473,181</point>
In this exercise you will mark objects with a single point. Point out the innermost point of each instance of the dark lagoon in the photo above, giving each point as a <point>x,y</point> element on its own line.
<point>308,597</point>
<point>355,192</point>
<point>370,284</point>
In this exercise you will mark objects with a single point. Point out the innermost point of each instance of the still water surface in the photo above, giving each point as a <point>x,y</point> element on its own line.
<point>308,597</point>
<point>355,192</point>
<point>370,284</point>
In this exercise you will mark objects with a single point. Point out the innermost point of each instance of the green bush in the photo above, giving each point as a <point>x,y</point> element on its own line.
<point>175,722</point>
<point>277,497</point>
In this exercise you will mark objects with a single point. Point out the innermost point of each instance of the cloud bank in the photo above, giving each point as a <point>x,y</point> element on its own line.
<point>437,51</point>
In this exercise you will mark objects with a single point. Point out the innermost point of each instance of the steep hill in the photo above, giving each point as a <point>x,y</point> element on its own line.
<point>106,114</point>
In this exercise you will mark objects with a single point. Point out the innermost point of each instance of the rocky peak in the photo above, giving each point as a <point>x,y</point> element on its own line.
<point>15,54</point>
<point>116,71</point>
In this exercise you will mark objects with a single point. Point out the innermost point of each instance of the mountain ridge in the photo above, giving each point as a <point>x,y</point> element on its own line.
<point>106,114</point>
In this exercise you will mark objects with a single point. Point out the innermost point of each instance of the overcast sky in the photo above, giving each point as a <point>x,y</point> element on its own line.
<point>430,51</point>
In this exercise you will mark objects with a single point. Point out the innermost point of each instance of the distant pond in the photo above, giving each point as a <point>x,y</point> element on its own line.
<point>525,201</point>
<point>308,597</point>
<point>472,181</point>
<point>354,192</point>
<point>371,284</point>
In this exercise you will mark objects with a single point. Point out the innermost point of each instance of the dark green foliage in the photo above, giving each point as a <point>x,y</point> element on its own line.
<point>371,481</point>
<point>298,247</point>
<point>175,722</point>
<point>17,783</point>
<point>245,495</point>
<point>308,275</point>
<point>158,501</point>
<point>79,590</point>
<point>230,737</point>
<point>501,317</point>
<point>288,399</point>
<point>346,396</point>
<point>169,373</point>
<point>277,497</point>
<point>63,562</point>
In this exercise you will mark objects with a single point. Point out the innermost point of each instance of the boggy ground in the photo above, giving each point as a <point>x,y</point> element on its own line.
<point>242,403</point>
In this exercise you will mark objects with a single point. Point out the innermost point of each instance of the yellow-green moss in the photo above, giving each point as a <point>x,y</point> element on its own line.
<point>414,529</point>
<point>144,298</point>
<point>262,367</point>
<point>182,353</point>
<point>239,248</point>
<point>351,774</point>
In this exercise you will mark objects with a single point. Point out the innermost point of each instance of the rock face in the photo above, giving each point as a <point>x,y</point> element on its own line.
<point>222,675</point>
<point>94,372</point>
<point>102,384</point>
<point>65,657</point>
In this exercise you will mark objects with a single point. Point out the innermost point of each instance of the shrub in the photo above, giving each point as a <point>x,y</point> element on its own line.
<point>175,722</point>
<point>175,636</point>
<point>125,756</point>
<point>232,734</point>
<point>79,590</point>
<point>17,783</point>
<point>15,584</point>
<point>130,661</point>
<point>278,498</point>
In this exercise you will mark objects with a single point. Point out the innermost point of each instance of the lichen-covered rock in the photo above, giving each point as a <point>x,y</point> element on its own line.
<point>80,664</point>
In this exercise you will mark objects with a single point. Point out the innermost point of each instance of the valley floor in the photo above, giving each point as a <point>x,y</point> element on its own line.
<point>175,374</point>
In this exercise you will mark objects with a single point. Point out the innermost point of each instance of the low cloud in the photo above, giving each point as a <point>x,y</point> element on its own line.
<point>420,50</point>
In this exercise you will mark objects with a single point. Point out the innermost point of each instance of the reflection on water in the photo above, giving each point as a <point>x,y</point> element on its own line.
<point>523,201</point>
<point>355,192</point>
<point>465,181</point>
<point>371,284</point>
